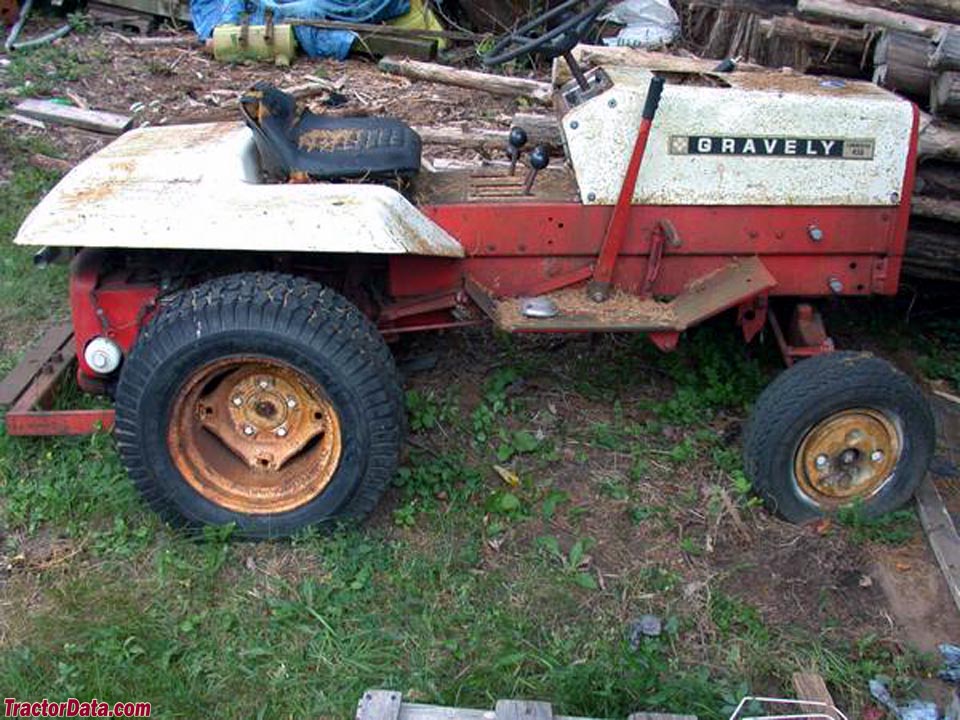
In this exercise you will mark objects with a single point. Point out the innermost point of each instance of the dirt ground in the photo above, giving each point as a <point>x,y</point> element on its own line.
<point>169,85</point>
<point>805,577</point>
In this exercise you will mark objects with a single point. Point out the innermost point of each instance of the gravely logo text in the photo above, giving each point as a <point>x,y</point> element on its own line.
<point>828,148</point>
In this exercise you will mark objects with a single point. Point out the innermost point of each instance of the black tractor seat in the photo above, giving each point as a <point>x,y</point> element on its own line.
<point>327,148</point>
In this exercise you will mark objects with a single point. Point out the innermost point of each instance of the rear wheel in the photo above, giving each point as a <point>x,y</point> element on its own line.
<point>263,400</point>
<point>836,430</point>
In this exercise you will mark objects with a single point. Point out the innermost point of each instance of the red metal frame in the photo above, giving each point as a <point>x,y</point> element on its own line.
<point>108,304</point>
<point>531,248</point>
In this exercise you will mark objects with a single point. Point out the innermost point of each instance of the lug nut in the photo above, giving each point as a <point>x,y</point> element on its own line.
<point>263,384</point>
<point>848,456</point>
<point>281,432</point>
<point>822,461</point>
<point>238,401</point>
<point>877,456</point>
<point>248,430</point>
<point>291,402</point>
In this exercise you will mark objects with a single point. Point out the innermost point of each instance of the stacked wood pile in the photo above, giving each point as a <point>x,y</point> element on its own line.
<point>911,47</point>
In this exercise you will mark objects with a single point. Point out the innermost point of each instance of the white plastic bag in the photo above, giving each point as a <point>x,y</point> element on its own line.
<point>649,23</point>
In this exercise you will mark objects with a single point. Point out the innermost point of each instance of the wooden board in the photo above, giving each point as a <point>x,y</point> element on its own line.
<point>523,710</point>
<point>941,534</point>
<point>379,45</point>
<point>471,79</point>
<point>379,705</point>
<point>851,12</point>
<point>946,409</point>
<point>389,705</point>
<point>173,9</point>
<point>95,120</point>
<point>811,686</point>
<point>57,339</point>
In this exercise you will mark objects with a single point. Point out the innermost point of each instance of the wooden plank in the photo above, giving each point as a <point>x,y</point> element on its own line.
<point>39,124</point>
<point>54,341</point>
<point>379,45</point>
<point>811,686</point>
<point>945,94</point>
<point>945,10</point>
<point>851,12</point>
<point>96,120</point>
<point>946,409</point>
<point>379,705</point>
<point>936,208</point>
<point>176,9</point>
<point>495,84</point>
<point>602,55</point>
<point>938,140</point>
<point>416,711</point>
<point>941,534</point>
<point>523,710</point>
<point>460,136</point>
<point>541,129</point>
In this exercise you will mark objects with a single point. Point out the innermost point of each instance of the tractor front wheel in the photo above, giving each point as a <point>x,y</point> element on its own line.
<point>837,430</point>
<point>263,400</point>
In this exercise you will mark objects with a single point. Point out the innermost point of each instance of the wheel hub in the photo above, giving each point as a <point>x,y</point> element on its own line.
<point>262,416</point>
<point>254,435</point>
<point>847,456</point>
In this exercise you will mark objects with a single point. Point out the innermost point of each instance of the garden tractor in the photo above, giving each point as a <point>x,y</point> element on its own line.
<point>235,286</point>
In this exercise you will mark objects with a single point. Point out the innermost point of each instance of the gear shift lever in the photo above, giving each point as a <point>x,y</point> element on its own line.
<point>539,159</point>
<point>517,139</point>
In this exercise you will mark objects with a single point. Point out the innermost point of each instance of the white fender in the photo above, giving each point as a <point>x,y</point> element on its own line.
<point>195,187</point>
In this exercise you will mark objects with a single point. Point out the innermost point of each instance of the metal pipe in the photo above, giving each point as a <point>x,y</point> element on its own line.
<point>11,43</point>
<point>43,39</point>
<point>18,26</point>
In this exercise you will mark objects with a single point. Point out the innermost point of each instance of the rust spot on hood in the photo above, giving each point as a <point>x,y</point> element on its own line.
<point>93,193</point>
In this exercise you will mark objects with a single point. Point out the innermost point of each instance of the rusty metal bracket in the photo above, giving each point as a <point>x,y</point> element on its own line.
<point>658,239</point>
<point>807,334</point>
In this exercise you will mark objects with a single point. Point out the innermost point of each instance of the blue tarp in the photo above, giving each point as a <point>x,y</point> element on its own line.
<point>208,14</point>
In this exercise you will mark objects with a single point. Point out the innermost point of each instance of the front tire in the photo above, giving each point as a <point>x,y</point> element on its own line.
<point>836,430</point>
<point>262,400</point>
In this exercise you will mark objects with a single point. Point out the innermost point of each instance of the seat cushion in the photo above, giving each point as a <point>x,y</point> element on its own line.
<point>330,148</point>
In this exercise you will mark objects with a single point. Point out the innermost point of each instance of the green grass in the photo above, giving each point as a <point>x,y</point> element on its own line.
<point>940,356</point>
<point>459,598</point>
<point>28,297</point>
<point>41,70</point>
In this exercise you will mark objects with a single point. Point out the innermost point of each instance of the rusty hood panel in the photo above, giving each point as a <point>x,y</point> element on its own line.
<point>194,187</point>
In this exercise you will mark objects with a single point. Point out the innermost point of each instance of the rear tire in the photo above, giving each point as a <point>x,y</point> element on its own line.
<point>835,430</point>
<point>263,400</point>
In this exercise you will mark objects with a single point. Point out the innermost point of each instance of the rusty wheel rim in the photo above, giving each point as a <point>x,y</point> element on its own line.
<point>848,456</point>
<point>254,435</point>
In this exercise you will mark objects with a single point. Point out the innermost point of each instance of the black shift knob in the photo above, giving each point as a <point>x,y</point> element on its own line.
<point>539,158</point>
<point>518,137</point>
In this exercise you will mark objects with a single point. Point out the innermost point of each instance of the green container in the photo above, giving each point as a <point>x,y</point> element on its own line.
<point>231,44</point>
